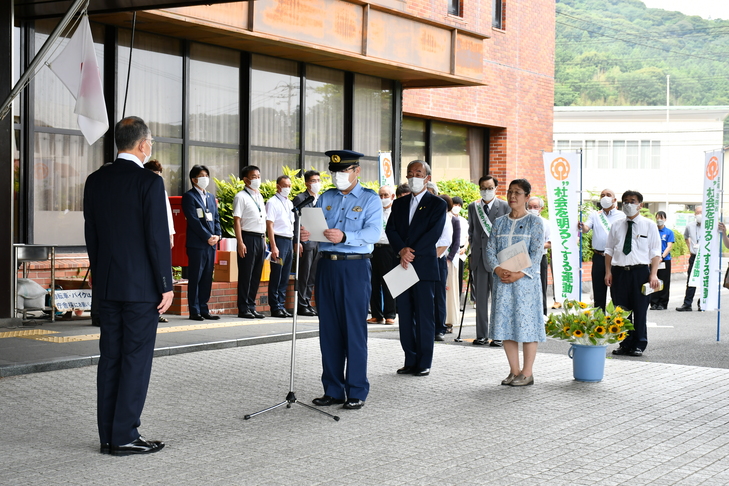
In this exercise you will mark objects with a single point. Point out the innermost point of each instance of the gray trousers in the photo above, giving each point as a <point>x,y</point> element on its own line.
<point>307,274</point>
<point>482,281</point>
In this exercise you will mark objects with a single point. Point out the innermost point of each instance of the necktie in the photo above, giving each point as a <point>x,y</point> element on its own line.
<point>628,238</point>
<point>486,209</point>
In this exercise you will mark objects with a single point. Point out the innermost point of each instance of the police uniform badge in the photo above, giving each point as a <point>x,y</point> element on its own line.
<point>329,208</point>
<point>357,209</point>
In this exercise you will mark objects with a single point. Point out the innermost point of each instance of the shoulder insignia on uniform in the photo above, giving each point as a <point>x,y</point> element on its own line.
<point>329,208</point>
<point>357,209</point>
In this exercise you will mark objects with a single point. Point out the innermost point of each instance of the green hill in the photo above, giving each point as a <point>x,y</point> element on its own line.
<point>619,52</point>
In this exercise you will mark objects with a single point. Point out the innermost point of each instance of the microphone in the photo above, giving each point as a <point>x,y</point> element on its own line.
<point>303,203</point>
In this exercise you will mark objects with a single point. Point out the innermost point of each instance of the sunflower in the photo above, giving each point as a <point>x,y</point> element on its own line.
<point>614,329</point>
<point>621,336</point>
<point>566,329</point>
<point>578,333</point>
<point>618,309</point>
<point>583,305</point>
<point>599,330</point>
<point>587,312</point>
<point>619,321</point>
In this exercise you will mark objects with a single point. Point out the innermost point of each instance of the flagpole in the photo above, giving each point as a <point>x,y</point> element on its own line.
<point>38,59</point>
<point>579,217</point>
<point>721,243</point>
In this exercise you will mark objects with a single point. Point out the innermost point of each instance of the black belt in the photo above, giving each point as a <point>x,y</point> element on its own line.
<point>631,267</point>
<point>250,233</point>
<point>284,237</point>
<point>601,253</point>
<point>381,245</point>
<point>345,256</point>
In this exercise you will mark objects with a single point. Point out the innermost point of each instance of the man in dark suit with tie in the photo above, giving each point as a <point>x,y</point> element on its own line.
<point>129,253</point>
<point>414,226</point>
<point>203,233</point>
<point>481,216</point>
<point>308,250</point>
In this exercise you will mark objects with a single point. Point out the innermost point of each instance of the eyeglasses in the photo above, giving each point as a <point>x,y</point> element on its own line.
<point>149,141</point>
<point>515,193</point>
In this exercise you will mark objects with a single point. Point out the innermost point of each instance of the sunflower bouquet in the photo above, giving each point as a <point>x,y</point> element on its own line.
<point>582,324</point>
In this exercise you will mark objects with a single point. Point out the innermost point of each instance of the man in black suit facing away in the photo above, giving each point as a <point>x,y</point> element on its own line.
<point>414,226</point>
<point>129,254</point>
<point>203,233</point>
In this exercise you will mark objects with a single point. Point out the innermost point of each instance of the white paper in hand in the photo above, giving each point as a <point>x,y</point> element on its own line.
<point>313,220</point>
<point>400,279</point>
<point>514,258</point>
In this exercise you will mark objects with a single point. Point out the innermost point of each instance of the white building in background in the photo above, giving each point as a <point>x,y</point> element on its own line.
<point>655,151</point>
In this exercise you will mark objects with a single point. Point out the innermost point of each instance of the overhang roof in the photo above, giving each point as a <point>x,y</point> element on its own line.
<point>27,9</point>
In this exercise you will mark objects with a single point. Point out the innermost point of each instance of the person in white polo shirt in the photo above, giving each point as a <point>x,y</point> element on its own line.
<point>280,229</point>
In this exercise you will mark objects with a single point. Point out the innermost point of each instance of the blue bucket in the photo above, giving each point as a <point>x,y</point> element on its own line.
<point>588,362</point>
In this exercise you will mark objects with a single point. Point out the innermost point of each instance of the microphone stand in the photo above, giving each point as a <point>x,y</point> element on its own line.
<point>291,396</point>
<point>465,303</point>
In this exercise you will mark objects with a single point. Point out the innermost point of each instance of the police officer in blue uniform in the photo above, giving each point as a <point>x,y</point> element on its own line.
<point>343,281</point>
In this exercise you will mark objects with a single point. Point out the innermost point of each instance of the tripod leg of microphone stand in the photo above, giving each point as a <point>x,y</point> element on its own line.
<point>335,417</point>
<point>247,417</point>
<point>463,309</point>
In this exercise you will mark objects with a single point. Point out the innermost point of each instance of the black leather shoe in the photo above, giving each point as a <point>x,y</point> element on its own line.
<point>353,404</point>
<point>288,314</point>
<point>440,337</point>
<point>621,351</point>
<point>326,400</point>
<point>246,315</point>
<point>635,352</point>
<point>196,317</point>
<point>305,311</point>
<point>311,309</point>
<point>279,313</point>
<point>257,314</point>
<point>104,449</point>
<point>421,372</point>
<point>480,341</point>
<point>684,308</point>
<point>210,317</point>
<point>139,446</point>
<point>406,370</point>
<point>496,344</point>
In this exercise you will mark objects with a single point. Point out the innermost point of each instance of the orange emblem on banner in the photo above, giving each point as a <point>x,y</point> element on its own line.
<point>712,168</point>
<point>560,168</point>
<point>387,167</point>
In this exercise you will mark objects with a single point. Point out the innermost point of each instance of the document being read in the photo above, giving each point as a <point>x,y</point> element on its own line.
<point>400,279</point>
<point>515,258</point>
<point>313,220</point>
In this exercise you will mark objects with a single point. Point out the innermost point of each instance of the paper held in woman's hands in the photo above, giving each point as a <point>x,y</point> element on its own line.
<point>515,258</point>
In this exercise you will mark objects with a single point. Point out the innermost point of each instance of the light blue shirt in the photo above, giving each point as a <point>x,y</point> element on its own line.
<point>358,214</point>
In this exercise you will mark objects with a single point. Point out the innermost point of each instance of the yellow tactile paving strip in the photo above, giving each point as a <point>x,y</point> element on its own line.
<point>43,335</point>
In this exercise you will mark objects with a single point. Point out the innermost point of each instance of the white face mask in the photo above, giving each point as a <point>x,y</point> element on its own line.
<point>606,202</point>
<point>386,203</point>
<point>316,187</point>
<point>699,218</point>
<point>255,183</point>
<point>341,180</point>
<point>416,184</point>
<point>660,222</point>
<point>535,212</point>
<point>488,194</point>
<point>285,191</point>
<point>630,210</point>
<point>202,182</point>
<point>456,210</point>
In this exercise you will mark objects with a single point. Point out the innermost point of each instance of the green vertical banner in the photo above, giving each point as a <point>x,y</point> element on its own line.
<point>563,173</point>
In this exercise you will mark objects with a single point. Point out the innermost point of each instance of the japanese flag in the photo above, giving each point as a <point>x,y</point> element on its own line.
<point>77,68</point>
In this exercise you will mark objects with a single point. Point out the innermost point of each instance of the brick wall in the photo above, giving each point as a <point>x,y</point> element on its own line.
<point>517,102</point>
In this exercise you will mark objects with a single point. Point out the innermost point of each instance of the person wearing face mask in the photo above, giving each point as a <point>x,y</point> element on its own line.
<point>280,229</point>
<point>308,250</point>
<point>343,281</point>
<point>632,256</point>
<point>600,223</point>
<point>382,304</point>
<point>659,299</point>
<point>203,234</point>
<point>481,217</point>
<point>414,227</point>
<point>249,222</point>
<point>535,206</point>
<point>691,235</point>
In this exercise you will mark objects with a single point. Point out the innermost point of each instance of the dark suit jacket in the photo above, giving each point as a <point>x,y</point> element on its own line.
<point>126,233</point>
<point>421,234</point>
<point>477,236</point>
<point>199,230</point>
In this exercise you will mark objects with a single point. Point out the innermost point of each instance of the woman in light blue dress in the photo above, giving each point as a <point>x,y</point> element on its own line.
<point>516,313</point>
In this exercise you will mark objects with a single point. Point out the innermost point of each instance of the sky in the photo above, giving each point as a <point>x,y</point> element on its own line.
<point>703,8</point>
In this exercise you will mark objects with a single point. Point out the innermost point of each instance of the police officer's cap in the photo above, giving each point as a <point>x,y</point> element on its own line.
<point>342,159</point>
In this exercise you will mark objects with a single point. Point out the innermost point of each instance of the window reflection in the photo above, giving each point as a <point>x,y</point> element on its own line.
<point>450,151</point>
<point>220,162</point>
<point>275,93</point>
<point>372,115</point>
<point>324,109</point>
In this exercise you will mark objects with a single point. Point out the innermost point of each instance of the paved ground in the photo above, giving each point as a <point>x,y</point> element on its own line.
<point>649,422</point>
